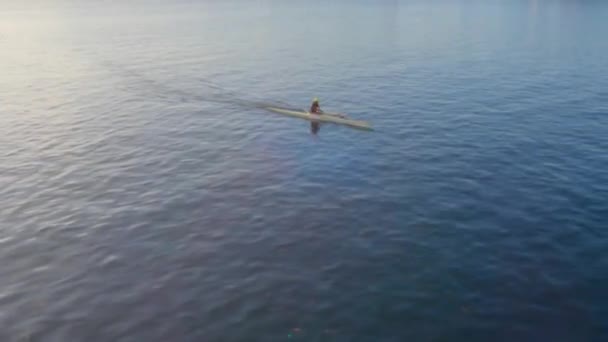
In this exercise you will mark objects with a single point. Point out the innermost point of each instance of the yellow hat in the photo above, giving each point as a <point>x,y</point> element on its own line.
<point>316,99</point>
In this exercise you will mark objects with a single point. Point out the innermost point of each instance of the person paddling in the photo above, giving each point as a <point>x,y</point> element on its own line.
<point>315,108</point>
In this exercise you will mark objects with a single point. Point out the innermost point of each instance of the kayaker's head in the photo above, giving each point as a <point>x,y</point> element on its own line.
<point>315,100</point>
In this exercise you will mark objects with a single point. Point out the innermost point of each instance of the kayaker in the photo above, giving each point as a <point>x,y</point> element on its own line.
<point>315,107</point>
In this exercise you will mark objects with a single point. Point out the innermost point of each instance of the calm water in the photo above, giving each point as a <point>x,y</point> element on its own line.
<point>144,198</point>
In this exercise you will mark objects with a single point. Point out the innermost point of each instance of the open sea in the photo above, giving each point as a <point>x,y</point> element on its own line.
<point>146,195</point>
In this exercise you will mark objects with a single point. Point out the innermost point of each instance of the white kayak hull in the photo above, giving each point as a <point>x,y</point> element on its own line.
<point>325,117</point>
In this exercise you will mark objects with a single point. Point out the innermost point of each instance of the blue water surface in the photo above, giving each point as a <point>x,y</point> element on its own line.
<point>146,196</point>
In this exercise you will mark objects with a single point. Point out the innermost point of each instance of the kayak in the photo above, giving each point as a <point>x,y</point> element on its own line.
<point>324,117</point>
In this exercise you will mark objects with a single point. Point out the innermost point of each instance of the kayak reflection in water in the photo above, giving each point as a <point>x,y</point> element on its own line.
<point>315,127</point>
<point>315,108</point>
